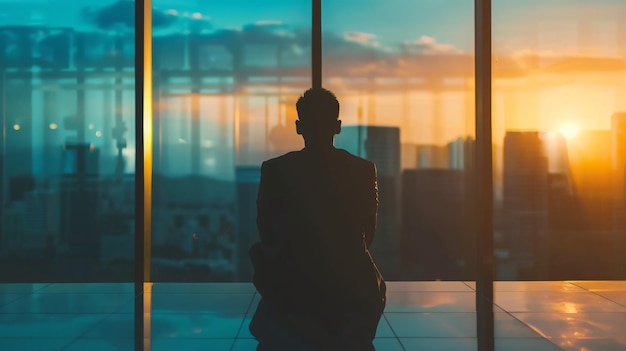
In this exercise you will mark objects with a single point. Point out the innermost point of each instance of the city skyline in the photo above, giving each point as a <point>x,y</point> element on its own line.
<point>224,101</point>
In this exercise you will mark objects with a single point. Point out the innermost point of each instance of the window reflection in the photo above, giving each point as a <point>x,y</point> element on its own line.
<point>227,78</point>
<point>67,152</point>
<point>407,104</point>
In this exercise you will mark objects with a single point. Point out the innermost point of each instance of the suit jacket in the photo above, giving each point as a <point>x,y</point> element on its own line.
<point>316,219</point>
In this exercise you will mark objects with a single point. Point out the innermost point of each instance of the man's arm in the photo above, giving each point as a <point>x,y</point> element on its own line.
<point>265,206</point>
<point>270,216</point>
<point>371,214</point>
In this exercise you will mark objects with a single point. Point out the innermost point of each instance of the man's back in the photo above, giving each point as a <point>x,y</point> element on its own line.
<point>316,214</point>
<point>320,207</point>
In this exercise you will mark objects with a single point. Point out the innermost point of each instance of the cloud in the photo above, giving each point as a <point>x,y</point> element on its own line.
<point>121,15</point>
<point>362,38</point>
<point>268,23</point>
<point>427,45</point>
<point>174,21</point>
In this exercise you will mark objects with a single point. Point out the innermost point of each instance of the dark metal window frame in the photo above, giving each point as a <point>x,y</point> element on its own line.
<point>483,180</point>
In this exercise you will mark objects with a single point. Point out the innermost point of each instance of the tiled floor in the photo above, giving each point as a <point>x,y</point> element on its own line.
<point>576,315</point>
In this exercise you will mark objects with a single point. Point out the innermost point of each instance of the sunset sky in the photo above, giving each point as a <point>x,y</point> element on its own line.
<point>554,30</point>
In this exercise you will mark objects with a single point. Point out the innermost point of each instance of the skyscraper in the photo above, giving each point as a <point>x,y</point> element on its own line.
<point>80,192</point>
<point>618,166</point>
<point>248,179</point>
<point>380,145</point>
<point>590,164</point>
<point>436,242</point>
<point>525,203</point>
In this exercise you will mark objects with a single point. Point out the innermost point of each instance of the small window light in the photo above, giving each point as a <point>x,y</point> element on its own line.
<point>53,126</point>
<point>98,134</point>
<point>16,126</point>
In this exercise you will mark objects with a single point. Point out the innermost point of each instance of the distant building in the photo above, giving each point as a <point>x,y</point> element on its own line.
<point>80,193</point>
<point>618,167</point>
<point>461,153</point>
<point>408,152</point>
<point>432,156</point>
<point>194,230</point>
<point>590,163</point>
<point>525,203</point>
<point>248,179</point>
<point>436,242</point>
<point>380,145</point>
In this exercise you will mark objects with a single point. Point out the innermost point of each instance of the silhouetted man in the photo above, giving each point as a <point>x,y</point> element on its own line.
<point>316,216</point>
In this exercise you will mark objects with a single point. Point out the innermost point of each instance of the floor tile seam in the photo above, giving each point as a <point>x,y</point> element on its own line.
<point>395,335</point>
<point>469,286</point>
<point>43,287</point>
<point>440,336</point>
<point>106,338</point>
<point>14,301</point>
<point>597,293</point>
<point>432,291</point>
<point>68,344</point>
<point>560,292</point>
<point>35,337</point>
<point>254,296</point>
<point>203,338</point>
<point>68,313</point>
<point>114,310</point>
<point>198,293</point>
<point>570,313</point>
<point>538,291</point>
<point>208,312</point>
<point>85,332</point>
<point>465,288</point>
<point>428,311</point>
<point>243,320</point>
<point>579,286</point>
<point>541,335</point>
<point>40,293</point>
<point>432,312</point>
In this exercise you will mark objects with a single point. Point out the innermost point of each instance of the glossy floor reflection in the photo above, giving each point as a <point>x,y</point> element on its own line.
<point>575,315</point>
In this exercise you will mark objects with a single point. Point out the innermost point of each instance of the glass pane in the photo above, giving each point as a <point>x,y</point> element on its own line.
<point>407,103</point>
<point>559,139</point>
<point>227,75</point>
<point>67,147</point>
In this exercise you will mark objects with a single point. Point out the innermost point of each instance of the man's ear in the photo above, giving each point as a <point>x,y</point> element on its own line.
<point>298,127</point>
<point>338,127</point>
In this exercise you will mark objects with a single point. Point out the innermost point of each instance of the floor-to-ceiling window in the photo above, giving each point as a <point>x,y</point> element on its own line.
<point>67,148</point>
<point>407,103</point>
<point>226,78</point>
<point>559,139</point>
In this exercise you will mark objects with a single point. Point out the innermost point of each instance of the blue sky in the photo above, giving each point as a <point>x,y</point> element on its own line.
<point>447,22</point>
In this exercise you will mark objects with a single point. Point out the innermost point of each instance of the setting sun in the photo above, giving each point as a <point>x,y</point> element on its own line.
<point>569,130</point>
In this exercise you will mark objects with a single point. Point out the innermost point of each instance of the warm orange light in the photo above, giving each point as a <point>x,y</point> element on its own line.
<point>569,130</point>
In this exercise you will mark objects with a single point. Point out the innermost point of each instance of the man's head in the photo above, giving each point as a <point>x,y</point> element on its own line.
<point>318,113</point>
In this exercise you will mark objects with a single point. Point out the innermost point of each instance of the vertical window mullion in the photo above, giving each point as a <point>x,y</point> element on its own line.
<point>316,42</point>
<point>143,158</point>
<point>483,196</point>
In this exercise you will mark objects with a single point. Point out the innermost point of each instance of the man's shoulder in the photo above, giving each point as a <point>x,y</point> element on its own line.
<point>282,159</point>
<point>353,159</point>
